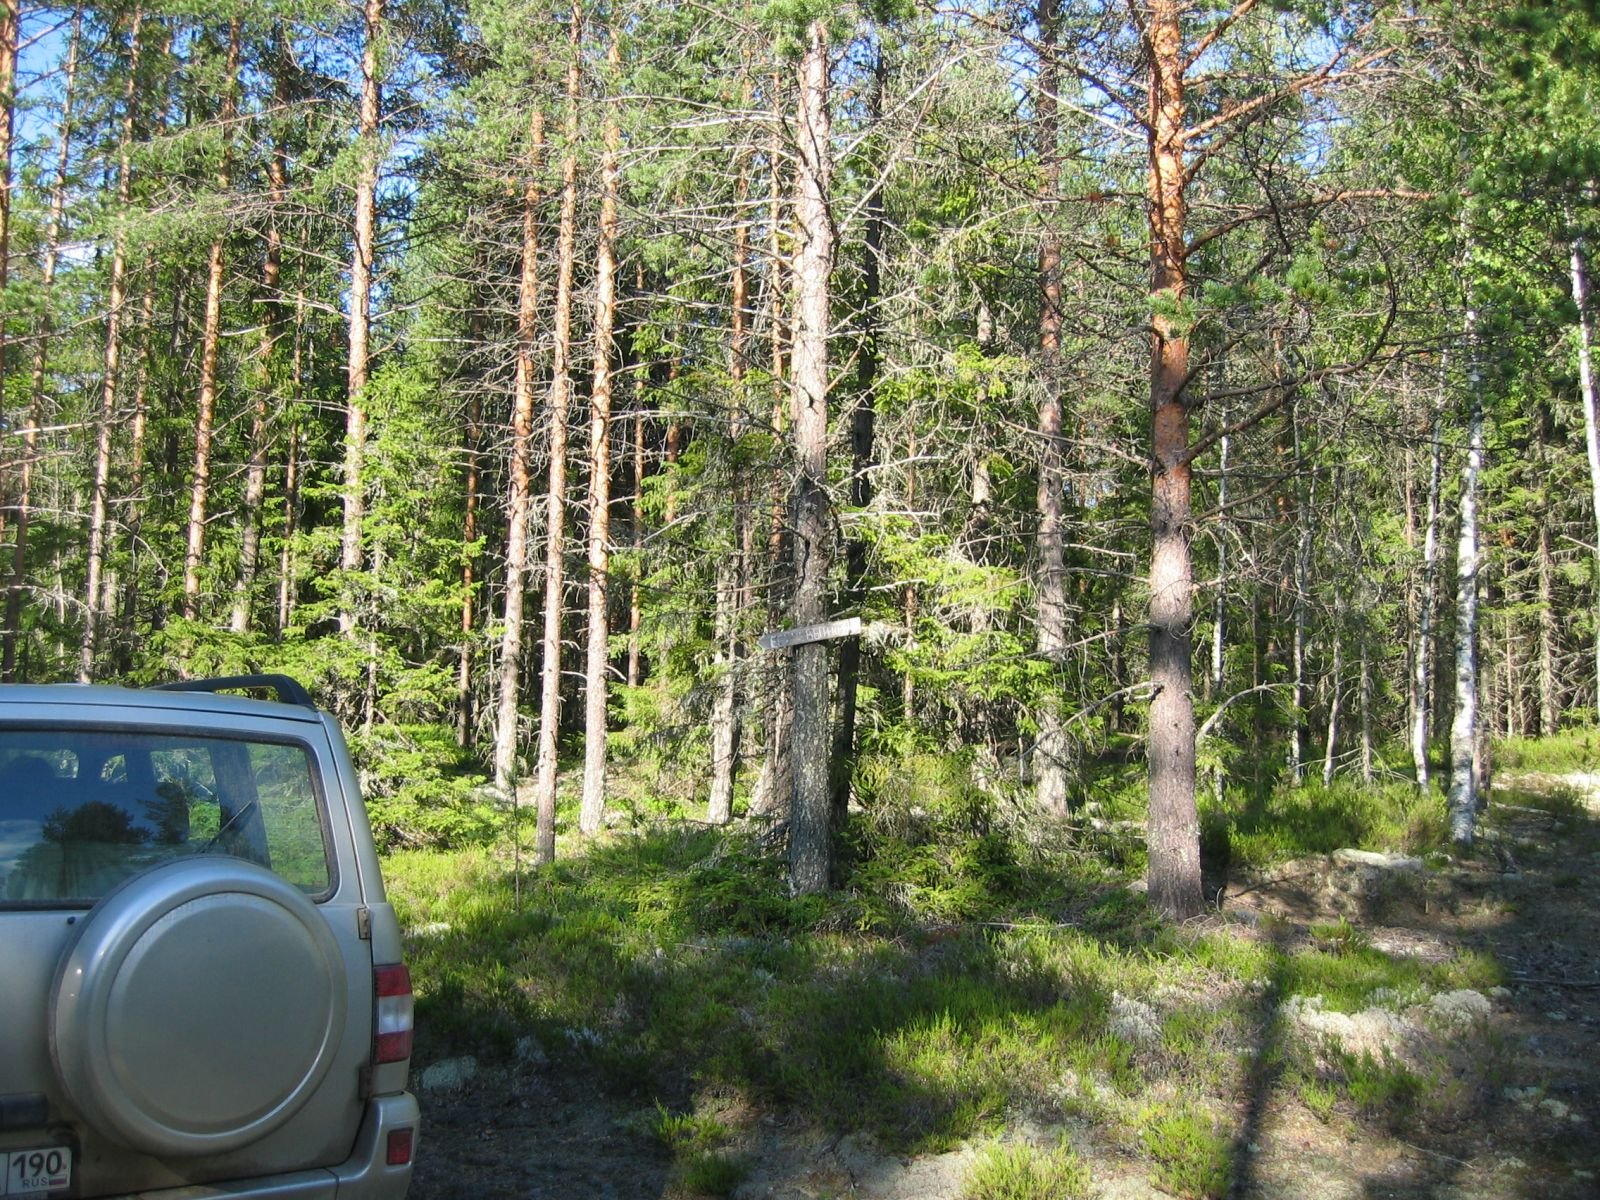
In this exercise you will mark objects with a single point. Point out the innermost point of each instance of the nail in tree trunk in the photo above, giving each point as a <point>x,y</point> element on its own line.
<point>357,363</point>
<point>41,359</point>
<point>592,810</point>
<point>862,429</point>
<point>1463,798</point>
<point>559,402</point>
<point>1174,825</point>
<point>109,366</point>
<point>1050,751</point>
<point>210,342</point>
<point>519,501</point>
<point>810,840</point>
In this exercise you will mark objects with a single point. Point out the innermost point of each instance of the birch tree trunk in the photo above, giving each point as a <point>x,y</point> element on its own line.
<point>357,363</point>
<point>1050,750</point>
<point>597,667</point>
<point>1330,747</point>
<point>559,401</point>
<point>520,499</point>
<point>1591,415</point>
<point>210,344</point>
<point>810,840</point>
<point>109,366</point>
<point>1463,798</point>
<point>1422,682</point>
<point>41,358</point>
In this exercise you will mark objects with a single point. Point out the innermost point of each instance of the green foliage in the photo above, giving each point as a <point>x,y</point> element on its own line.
<point>1193,1157</point>
<point>1290,822</point>
<point>1022,1172</point>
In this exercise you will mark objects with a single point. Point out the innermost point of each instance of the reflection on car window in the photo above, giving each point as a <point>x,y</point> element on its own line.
<point>81,810</point>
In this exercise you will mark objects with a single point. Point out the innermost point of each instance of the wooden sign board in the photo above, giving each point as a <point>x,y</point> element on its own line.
<point>780,639</point>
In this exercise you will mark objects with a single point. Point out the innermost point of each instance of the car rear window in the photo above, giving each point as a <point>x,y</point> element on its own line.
<point>82,809</point>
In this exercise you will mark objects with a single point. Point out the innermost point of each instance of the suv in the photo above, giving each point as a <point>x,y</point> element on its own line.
<point>200,979</point>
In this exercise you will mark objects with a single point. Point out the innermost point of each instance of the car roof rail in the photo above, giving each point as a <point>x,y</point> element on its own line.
<point>288,691</point>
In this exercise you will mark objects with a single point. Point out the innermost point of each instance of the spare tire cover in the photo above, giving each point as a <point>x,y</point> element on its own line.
<point>199,1007</point>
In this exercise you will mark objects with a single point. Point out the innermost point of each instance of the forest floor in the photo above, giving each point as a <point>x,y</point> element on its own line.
<point>1503,1098</point>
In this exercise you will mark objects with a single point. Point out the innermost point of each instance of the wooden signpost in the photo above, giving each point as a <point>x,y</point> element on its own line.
<point>827,631</point>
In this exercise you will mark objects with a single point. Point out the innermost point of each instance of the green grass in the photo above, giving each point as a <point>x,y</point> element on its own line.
<point>1019,1172</point>
<point>1569,750</point>
<point>1288,823</point>
<point>965,974</point>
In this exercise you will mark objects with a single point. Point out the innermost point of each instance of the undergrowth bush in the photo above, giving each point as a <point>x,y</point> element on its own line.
<point>1021,1172</point>
<point>1290,822</point>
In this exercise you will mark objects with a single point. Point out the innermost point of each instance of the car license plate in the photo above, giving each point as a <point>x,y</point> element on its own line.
<point>36,1172</point>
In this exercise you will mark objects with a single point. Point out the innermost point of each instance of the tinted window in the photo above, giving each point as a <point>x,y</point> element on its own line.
<point>81,810</point>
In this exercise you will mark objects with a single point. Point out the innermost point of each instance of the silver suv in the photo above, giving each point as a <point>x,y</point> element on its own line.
<point>201,986</point>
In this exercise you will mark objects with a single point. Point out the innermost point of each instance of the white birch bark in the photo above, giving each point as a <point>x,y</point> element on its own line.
<point>1591,409</point>
<point>1463,799</point>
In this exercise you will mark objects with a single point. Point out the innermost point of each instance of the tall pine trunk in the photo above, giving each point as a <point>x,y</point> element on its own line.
<point>560,401</point>
<point>110,365</point>
<point>598,658</point>
<point>810,839</point>
<point>272,326</point>
<point>519,501</point>
<point>1050,751</point>
<point>862,433</point>
<point>358,359</point>
<point>1174,824</point>
<point>210,344</point>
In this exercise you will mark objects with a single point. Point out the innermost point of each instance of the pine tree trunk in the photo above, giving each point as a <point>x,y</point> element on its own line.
<point>357,363</point>
<point>1050,750</point>
<point>110,364</point>
<point>255,486</point>
<point>1463,798</point>
<point>9,21</point>
<point>210,343</point>
<point>520,500</point>
<point>810,840</point>
<point>1174,824</point>
<point>41,359</point>
<point>862,449</point>
<point>558,404</point>
<point>592,810</point>
<point>732,571</point>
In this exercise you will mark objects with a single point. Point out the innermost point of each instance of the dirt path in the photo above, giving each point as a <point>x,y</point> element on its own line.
<point>1518,1065</point>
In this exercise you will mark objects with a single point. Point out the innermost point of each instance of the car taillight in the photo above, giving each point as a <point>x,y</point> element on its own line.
<point>398,1148</point>
<point>392,1028</point>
